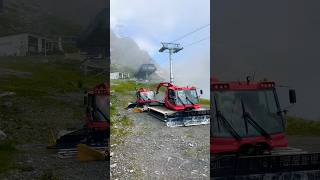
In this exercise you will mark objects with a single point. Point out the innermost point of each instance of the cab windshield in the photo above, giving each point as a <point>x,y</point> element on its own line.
<point>148,95</point>
<point>99,107</point>
<point>186,97</point>
<point>261,106</point>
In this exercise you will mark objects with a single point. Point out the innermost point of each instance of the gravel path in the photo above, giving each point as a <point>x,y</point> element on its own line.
<point>307,143</point>
<point>154,151</point>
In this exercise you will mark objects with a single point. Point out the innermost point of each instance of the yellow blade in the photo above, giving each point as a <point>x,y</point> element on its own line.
<point>137,110</point>
<point>87,153</point>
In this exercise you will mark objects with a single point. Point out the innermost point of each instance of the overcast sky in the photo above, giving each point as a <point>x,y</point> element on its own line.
<point>150,22</point>
<point>273,39</point>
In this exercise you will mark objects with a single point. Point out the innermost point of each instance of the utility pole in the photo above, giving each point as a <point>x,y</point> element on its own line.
<point>172,48</point>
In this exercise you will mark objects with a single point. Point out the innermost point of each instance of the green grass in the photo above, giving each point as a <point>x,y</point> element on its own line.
<point>46,78</point>
<point>120,129</point>
<point>126,122</point>
<point>299,126</point>
<point>7,152</point>
<point>205,102</point>
<point>124,86</point>
<point>37,105</point>
<point>121,86</point>
<point>11,21</point>
<point>121,96</point>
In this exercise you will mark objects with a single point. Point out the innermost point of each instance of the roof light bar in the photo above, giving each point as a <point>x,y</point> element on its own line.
<point>267,85</point>
<point>220,86</point>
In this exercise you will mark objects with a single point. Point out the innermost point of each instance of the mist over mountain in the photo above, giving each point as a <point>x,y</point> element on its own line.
<point>77,11</point>
<point>275,39</point>
<point>50,17</point>
<point>126,55</point>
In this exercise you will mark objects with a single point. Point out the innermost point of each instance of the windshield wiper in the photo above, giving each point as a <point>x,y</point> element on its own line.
<point>103,115</point>
<point>248,119</point>
<point>180,101</point>
<point>189,100</point>
<point>225,123</point>
<point>144,99</point>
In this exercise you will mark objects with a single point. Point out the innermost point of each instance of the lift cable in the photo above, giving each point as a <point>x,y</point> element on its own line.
<point>189,33</point>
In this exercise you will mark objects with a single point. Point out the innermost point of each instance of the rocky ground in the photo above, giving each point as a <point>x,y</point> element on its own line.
<point>307,143</point>
<point>34,161</point>
<point>151,150</point>
<point>35,98</point>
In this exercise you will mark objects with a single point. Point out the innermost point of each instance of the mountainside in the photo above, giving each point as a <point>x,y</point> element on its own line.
<point>127,56</point>
<point>31,16</point>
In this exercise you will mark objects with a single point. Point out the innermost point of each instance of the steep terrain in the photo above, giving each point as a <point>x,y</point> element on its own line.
<point>44,97</point>
<point>127,56</point>
<point>21,16</point>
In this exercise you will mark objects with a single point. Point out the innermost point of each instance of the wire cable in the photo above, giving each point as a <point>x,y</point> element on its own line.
<point>195,42</point>
<point>189,33</point>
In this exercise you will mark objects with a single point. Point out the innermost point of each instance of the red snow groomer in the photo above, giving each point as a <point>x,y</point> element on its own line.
<point>95,132</point>
<point>144,97</point>
<point>248,133</point>
<point>180,106</point>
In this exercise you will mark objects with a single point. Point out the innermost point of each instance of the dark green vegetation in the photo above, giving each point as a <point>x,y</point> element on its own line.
<point>205,102</point>
<point>7,152</point>
<point>299,126</point>
<point>19,17</point>
<point>47,95</point>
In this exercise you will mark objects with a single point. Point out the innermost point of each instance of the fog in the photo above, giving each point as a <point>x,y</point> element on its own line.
<point>274,39</point>
<point>194,70</point>
<point>127,55</point>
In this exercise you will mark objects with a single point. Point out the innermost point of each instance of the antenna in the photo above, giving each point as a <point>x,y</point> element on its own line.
<point>172,48</point>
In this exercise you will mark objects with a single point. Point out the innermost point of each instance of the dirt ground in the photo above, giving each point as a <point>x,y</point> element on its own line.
<point>307,143</point>
<point>44,96</point>
<point>155,151</point>
<point>34,161</point>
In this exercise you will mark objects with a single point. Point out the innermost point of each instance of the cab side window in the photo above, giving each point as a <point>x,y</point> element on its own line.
<point>171,95</point>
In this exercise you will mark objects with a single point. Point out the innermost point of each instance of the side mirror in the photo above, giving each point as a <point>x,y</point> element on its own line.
<point>171,95</point>
<point>201,92</point>
<point>292,96</point>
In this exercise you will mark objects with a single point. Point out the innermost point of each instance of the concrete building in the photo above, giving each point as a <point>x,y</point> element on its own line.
<point>26,44</point>
<point>119,75</point>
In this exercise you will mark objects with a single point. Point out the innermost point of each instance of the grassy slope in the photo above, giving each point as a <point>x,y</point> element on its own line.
<point>18,17</point>
<point>41,101</point>
<point>205,102</point>
<point>299,126</point>
<point>122,93</point>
